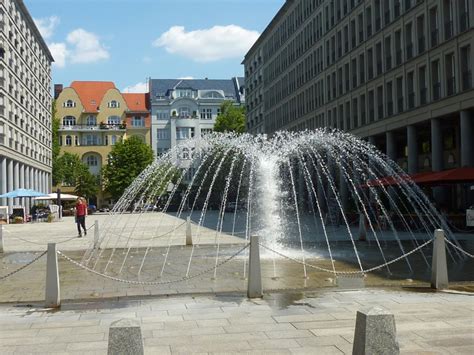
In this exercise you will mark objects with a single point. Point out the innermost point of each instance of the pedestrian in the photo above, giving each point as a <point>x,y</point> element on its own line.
<point>81,213</point>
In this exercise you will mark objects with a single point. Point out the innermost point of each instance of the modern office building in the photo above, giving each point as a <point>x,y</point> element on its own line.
<point>25,103</point>
<point>397,73</point>
<point>183,109</point>
<point>94,116</point>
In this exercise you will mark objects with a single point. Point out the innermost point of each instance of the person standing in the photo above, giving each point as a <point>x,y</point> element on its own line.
<point>81,213</point>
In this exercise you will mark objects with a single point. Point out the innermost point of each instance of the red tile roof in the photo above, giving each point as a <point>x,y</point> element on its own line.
<point>91,93</point>
<point>136,102</point>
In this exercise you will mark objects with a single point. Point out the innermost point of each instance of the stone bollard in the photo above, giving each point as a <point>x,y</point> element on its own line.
<point>189,236</point>
<point>254,289</point>
<point>375,333</point>
<point>1,238</point>
<point>96,234</point>
<point>362,227</point>
<point>125,337</point>
<point>53,298</point>
<point>439,268</point>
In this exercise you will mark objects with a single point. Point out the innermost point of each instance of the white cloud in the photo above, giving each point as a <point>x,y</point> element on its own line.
<point>86,47</point>
<point>47,25</point>
<point>207,45</point>
<point>186,78</point>
<point>60,53</point>
<point>137,88</point>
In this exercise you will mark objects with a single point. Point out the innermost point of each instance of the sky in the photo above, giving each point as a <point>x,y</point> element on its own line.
<point>128,41</point>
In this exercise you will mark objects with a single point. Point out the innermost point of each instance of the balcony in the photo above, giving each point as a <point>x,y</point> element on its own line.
<point>421,44</point>
<point>448,30</point>
<point>411,100</point>
<point>436,91</point>
<point>434,38</point>
<point>451,86</point>
<point>466,80</point>
<point>102,126</point>
<point>423,96</point>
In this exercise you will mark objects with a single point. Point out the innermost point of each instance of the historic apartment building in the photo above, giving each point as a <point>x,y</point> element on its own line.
<point>183,109</point>
<point>398,73</point>
<point>25,103</point>
<point>94,116</point>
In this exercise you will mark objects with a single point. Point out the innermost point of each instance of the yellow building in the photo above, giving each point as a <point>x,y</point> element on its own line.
<point>94,116</point>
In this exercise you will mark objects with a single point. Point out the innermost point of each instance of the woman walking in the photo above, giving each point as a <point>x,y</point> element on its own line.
<point>81,213</point>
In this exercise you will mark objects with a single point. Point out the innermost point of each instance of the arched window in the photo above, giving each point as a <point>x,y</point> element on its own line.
<point>69,104</point>
<point>69,121</point>
<point>91,121</point>
<point>114,140</point>
<point>185,153</point>
<point>114,104</point>
<point>68,140</point>
<point>113,120</point>
<point>92,160</point>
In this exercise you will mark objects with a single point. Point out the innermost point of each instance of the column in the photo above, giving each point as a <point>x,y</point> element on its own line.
<point>32,178</point>
<point>16,179</point>
<point>27,186</point>
<point>23,201</point>
<point>3,180</point>
<point>10,181</point>
<point>467,144</point>
<point>412,150</point>
<point>391,145</point>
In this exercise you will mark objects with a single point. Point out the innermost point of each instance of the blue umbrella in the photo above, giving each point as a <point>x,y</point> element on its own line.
<point>22,193</point>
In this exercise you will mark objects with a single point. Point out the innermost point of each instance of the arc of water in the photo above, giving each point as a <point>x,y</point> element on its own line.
<point>249,206</point>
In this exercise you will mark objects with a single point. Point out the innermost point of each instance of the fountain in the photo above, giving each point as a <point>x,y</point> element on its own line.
<point>306,194</point>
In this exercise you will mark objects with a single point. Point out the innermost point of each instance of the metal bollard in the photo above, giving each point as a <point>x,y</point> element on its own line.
<point>439,268</point>
<point>254,289</point>
<point>53,298</point>
<point>96,234</point>
<point>189,236</point>
<point>1,238</point>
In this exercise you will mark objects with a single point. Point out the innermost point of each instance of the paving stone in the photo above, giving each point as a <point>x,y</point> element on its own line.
<point>320,350</point>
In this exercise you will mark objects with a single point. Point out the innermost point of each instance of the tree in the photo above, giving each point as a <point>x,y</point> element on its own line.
<point>231,118</point>
<point>87,185</point>
<point>56,149</point>
<point>125,162</point>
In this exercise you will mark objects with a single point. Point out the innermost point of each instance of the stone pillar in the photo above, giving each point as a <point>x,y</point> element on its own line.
<point>52,298</point>
<point>391,145</point>
<point>3,180</point>
<point>22,176</point>
<point>189,236</point>
<point>467,143</point>
<point>10,182</point>
<point>254,289</point>
<point>439,268</point>
<point>412,150</point>
<point>96,234</point>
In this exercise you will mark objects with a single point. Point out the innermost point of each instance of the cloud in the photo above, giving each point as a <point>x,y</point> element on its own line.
<point>47,25</point>
<point>208,45</point>
<point>86,47</point>
<point>137,88</point>
<point>60,53</point>
<point>186,78</point>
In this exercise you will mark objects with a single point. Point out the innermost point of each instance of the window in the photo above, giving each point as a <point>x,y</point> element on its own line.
<point>388,53</point>
<point>411,89</point>
<point>69,104</point>
<point>434,28</point>
<point>68,140</point>
<point>448,19</point>
<point>162,115</point>
<point>206,131</point>
<point>400,94</point>
<point>185,154</point>
<point>380,113</point>
<point>69,121</point>
<point>91,121</point>
<point>398,47</point>
<point>162,134</point>
<point>92,160</point>
<point>420,29</point>
<point>113,140</point>
<point>463,15</point>
<point>90,140</point>
<point>114,104</point>
<point>422,85</point>
<point>184,132</point>
<point>206,113</point>
<point>371,103</point>
<point>435,77</point>
<point>161,151</point>
<point>466,67</point>
<point>113,120</point>
<point>450,74</point>
<point>378,58</point>
<point>184,112</point>
<point>408,40</point>
<point>389,93</point>
<point>138,121</point>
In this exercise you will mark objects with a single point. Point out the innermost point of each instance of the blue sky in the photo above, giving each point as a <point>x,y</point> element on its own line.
<point>127,41</point>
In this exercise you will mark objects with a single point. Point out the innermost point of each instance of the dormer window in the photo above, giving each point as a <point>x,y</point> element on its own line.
<point>69,104</point>
<point>114,104</point>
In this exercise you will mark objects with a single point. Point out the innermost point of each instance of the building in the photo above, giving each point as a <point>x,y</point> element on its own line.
<point>25,103</point>
<point>94,116</point>
<point>397,73</point>
<point>183,109</point>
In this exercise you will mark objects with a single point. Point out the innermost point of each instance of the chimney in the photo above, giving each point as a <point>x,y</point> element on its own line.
<point>58,88</point>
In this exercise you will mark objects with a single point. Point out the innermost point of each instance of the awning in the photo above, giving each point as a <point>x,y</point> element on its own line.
<point>54,196</point>
<point>451,176</point>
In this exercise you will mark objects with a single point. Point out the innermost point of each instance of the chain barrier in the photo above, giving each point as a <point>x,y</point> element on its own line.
<point>152,283</point>
<point>42,244</point>
<point>362,272</point>
<point>22,267</point>
<point>152,238</point>
<point>458,248</point>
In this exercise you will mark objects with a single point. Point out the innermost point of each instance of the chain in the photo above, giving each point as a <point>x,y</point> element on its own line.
<point>152,238</point>
<point>362,272</point>
<point>153,283</point>
<point>458,248</point>
<point>23,267</point>
<point>42,244</point>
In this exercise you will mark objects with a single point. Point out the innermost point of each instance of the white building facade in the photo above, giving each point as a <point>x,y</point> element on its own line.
<point>183,109</point>
<point>25,103</point>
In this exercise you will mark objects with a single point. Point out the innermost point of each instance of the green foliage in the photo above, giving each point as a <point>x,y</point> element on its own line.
<point>87,185</point>
<point>125,162</point>
<point>231,118</point>
<point>56,149</point>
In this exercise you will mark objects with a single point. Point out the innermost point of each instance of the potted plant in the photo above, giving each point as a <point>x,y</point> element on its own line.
<point>123,125</point>
<point>102,125</point>
<point>18,220</point>
<point>174,113</point>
